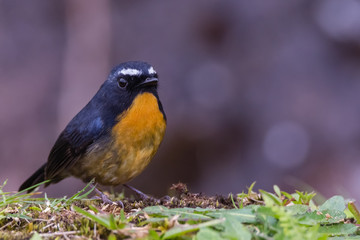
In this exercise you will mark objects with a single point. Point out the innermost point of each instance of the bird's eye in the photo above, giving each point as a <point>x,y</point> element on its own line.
<point>122,83</point>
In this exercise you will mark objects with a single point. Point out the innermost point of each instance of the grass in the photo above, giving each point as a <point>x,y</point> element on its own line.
<point>185,215</point>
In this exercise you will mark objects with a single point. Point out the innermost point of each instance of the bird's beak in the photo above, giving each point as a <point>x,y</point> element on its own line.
<point>151,81</point>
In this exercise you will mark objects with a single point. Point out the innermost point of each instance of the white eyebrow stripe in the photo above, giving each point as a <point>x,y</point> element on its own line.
<point>151,70</point>
<point>130,71</point>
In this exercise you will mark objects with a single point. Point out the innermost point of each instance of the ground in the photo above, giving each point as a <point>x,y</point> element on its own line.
<point>181,215</point>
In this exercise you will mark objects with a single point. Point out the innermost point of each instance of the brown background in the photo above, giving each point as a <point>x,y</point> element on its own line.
<point>264,91</point>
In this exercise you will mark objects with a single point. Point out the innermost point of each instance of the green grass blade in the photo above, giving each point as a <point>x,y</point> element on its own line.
<point>270,198</point>
<point>354,211</point>
<point>78,195</point>
<point>99,220</point>
<point>232,200</point>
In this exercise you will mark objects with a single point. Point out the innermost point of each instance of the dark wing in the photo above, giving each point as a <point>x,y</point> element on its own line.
<point>72,144</point>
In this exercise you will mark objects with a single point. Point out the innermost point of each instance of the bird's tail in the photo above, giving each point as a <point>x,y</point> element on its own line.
<point>37,177</point>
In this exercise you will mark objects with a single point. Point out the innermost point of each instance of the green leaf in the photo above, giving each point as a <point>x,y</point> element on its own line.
<point>277,190</point>
<point>243,215</point>
<point>311,218</point>
<point>36,236</point>
<point>287,195</point>
<point>233,229</point>
<point>345,238</point>
<point>158,220</point>
<point>334,203</point>
<point>324,217</point>
<point>153,235</point>
<point>208,234</point>
<point>297,209</point>
<point>304,197</point>
<point>183,229</point>
<point>188,213</point>
<point>270,199</point>
<point>340,229</point>
<point>333,216</point>
<point>266,211</point>
<point>35,208</point>
<point>111,237</point>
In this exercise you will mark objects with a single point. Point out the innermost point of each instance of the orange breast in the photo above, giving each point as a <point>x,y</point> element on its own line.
<point>137,135</point>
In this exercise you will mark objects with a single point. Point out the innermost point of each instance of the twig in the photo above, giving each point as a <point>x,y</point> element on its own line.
<point>49,225</point>
<point>58,233</point>
<point>94,229</point>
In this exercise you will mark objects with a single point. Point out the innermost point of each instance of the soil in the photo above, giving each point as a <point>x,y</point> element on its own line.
<point>180,197</point>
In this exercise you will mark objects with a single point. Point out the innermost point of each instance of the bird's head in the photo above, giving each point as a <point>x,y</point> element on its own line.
<point>134,77</point>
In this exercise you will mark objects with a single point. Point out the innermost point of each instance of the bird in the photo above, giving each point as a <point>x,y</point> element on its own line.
<point>115,136</point>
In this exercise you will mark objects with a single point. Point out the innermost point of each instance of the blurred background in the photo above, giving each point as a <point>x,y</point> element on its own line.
<point>264,91</point>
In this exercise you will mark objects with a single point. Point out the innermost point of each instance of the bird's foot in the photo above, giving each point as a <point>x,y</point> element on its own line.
<point>142,195</point>
<point>106,199</point>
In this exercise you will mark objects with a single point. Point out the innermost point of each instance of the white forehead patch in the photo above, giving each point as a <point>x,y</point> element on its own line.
<point>131,72</point>
<point>151,70</point>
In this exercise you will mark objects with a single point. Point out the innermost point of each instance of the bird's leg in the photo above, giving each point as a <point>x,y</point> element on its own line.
<point>105,198</point>
<point>142,195</point>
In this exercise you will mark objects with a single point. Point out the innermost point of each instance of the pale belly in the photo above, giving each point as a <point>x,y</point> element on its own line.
<point>133,143</point>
